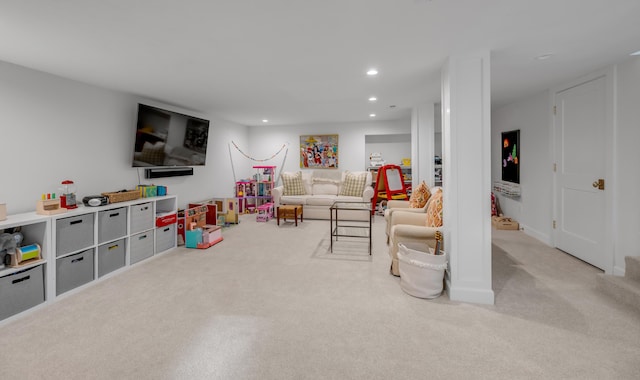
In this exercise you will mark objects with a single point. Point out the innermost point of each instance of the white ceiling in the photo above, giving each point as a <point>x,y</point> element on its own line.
<point>300,61</point>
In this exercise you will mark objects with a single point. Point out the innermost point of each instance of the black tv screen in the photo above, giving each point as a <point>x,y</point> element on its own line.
<point>167,138</point>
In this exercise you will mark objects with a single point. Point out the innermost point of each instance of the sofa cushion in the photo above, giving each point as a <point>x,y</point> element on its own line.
<point>353,184</point>
<point>434,210</point>
<point>419,196</point>
<point>325,186</point>
<point>293,184</point>
<point>322,200</point>
<point>294,199</point>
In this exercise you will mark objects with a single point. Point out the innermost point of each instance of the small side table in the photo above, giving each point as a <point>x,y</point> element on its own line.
<point>352,229</point>
<point>290,211</point>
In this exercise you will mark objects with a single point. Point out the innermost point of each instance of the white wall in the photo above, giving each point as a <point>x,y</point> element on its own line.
<point>54,129</point>
<point>392,147</point>
<point>627,164</point>
<point>266,140</point>
<point>533,210</point>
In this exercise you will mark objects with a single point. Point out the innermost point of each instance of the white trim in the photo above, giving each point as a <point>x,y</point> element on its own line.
<point>545,238</point>
<point>618,271</point>
<point>466,153</point>
<point>471,295</point>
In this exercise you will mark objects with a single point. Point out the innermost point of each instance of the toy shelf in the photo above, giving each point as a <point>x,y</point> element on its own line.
<point>255,192</point>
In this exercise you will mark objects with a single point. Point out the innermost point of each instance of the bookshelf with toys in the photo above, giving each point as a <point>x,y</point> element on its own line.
<point>256,191</point>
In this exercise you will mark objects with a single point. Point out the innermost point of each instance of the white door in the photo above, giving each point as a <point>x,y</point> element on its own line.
<point>580,137</point>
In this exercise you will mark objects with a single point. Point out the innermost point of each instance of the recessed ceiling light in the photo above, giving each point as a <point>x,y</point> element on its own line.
<point>265,120</point>
<point>372,72</point>
<point>373,99</point>
<point>544,56</point>
<point>636,53</point>
<point>372,115</point>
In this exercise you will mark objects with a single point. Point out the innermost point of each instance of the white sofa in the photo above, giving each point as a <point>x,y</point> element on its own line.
<point>322,188</point>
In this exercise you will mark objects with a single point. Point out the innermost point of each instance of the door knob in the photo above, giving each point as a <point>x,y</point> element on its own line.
<point>595,184</point>
<point>598,184</point>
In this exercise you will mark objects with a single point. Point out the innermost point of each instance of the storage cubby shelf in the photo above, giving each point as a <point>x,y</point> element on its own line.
<point>86,245</point>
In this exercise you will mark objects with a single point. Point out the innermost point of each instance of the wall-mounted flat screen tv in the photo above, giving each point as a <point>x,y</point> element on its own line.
<point>167,138</point>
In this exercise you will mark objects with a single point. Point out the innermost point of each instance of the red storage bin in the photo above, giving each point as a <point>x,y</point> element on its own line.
<point>165,220</point>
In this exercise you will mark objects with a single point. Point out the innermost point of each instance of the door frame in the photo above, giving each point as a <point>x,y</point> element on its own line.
<point>609,75</point>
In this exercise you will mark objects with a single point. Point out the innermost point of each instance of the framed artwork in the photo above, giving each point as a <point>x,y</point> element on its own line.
<point>196,136</point>
<point>511,156</point>
<point>319,151</point>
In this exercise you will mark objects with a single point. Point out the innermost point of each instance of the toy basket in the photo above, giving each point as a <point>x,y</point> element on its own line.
<point>122,196</point>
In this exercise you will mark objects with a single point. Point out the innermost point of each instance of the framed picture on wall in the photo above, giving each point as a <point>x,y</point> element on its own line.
<point>319,151</point>
<point>511,156</point>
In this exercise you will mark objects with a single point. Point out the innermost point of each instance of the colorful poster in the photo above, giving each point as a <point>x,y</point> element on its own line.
<point>319,151</point>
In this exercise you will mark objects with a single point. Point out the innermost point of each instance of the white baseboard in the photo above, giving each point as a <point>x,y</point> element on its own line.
<point>545,238</point>
<point>470,295</point>
<point>617,271</point>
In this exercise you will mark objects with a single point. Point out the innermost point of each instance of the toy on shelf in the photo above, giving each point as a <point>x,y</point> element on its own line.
<point>49,205</point>
<point>26,255</point>
<point>15,255</point>
<point>199,234</point>
<point>265,212</point>
<point>68,195</point>
<point>375,160</point>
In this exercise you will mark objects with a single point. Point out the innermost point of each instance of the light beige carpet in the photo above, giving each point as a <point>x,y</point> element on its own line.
<point>270,303</point>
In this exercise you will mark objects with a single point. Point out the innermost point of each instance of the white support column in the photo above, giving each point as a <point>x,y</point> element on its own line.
<point>466,135</point>
<point>422,134</point>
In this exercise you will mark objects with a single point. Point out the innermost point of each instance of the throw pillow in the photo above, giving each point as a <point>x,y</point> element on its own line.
<point>354,184</point>
<point>434,210</point>
<point>293,184</point>
<point>419,196</point>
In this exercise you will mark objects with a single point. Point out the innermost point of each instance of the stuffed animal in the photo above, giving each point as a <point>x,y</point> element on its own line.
<point>8,245</point>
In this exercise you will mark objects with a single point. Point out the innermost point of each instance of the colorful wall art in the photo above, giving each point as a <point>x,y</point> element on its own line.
<point>319,151</point>
<point>511,156</point>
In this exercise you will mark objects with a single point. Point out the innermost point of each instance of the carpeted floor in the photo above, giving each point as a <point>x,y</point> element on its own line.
<point>270,302</point>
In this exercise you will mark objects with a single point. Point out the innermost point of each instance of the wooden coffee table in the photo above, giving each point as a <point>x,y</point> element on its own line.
<point>290,211</point>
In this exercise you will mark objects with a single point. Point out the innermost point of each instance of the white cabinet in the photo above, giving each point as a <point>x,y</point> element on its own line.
<point>80,247</point>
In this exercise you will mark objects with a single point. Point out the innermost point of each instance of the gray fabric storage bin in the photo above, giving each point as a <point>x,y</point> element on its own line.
<point>165,237</point>
<point>74,233</point>
<point>74,270</point>
<point>21,291</point>
<point>141,217</point>
<point>112,224</point>
<point>141,246</point>
<point>111,256</point>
